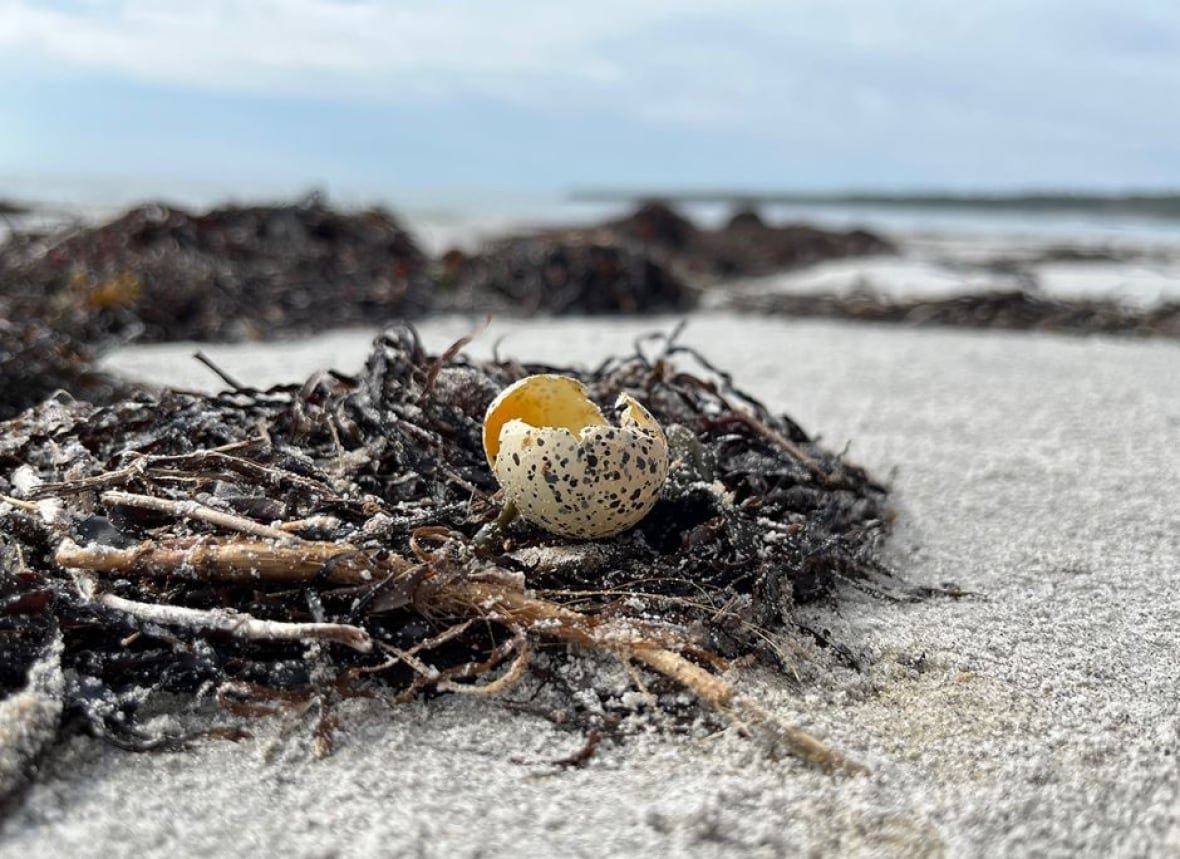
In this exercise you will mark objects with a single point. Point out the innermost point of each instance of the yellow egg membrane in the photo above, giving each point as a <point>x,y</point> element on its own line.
<point>544,400</point>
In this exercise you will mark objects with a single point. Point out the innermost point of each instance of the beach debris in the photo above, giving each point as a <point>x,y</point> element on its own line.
<point>37,362</point>
<point>575,272</point>
<point>1016,310</point>
<point>292,547</point>
<point>564,467</point>
<point>161,273</point>
<point>12,207</point>
<point>654,260</point>
<point>746,246</point>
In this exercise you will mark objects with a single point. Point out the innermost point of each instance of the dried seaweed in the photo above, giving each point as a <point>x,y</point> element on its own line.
<point>11,207</point>
<point>161,273</point>
<point>37,361</point>
<point>745,247</point>
<point>1014,310</point>
<point>203,544</point>
<point>653,260</point>
<point>574,273</point>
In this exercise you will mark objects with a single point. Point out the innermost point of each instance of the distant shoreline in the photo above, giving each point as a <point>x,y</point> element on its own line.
<point>1154,205</point>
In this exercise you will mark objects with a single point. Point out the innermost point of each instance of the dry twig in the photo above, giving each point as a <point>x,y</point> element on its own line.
<point>235,561</point>
<point>235,623</point>
<point>190,509</point>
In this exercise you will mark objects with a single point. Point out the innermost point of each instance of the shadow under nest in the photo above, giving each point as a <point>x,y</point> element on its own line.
<point>317,542</point>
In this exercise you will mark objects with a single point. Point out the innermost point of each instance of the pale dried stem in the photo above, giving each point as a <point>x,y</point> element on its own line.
<point>20,503</point>
<point>228,621</point>
<point>240,561</point>
<point>190,509</point>
<point>518,644</point>
<point>550,620</point>
<point>322,521</point>
<point>457,596</point>
<point>509,678</point>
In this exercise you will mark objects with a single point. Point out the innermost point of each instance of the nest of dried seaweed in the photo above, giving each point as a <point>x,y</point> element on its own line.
<point>317,541</point>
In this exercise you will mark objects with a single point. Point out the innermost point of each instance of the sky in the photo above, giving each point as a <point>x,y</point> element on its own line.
<point>515,97</point>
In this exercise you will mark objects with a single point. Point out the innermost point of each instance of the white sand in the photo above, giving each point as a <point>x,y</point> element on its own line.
<point>896,278</point>
<point>1039,719</point>
<point>944,266</point>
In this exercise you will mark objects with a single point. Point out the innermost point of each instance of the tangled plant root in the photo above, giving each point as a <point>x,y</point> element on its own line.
<point>487,600</point>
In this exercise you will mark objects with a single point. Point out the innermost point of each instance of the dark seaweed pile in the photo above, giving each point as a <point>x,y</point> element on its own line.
<point>755,517</point>
<point>160,273</point>
<point>653,260</point>
<point>36,361</point>
<point>745,247</point>
<point>1015,310</point>
<point>562,275</point>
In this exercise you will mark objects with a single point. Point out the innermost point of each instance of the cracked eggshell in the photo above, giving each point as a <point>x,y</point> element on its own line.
<point>565,467</point>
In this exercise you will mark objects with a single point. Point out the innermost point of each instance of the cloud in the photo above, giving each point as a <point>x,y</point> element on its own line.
<point>995,86</point>
<point>317,47</point>
<point>691,60</point>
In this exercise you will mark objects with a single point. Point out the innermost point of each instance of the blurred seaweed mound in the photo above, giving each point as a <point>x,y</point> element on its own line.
<point>1008,310</point>
<point>160,273</point>
<point>563,275</point>
<point>654,260</point>
<point>746,246</point>
<point>36,362</point>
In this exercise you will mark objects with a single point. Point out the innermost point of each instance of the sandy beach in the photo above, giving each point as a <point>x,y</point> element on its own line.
<point>1036,717</point>
<point>851,530</point>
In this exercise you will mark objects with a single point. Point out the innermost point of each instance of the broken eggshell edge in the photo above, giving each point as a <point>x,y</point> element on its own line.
<point>564,467</point>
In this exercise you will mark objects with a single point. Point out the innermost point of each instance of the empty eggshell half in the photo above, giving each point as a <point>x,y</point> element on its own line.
<point>564,466</point>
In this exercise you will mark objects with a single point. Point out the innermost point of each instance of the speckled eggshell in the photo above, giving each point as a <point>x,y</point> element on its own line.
<point>587,482</point>
<point>542,400</point>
